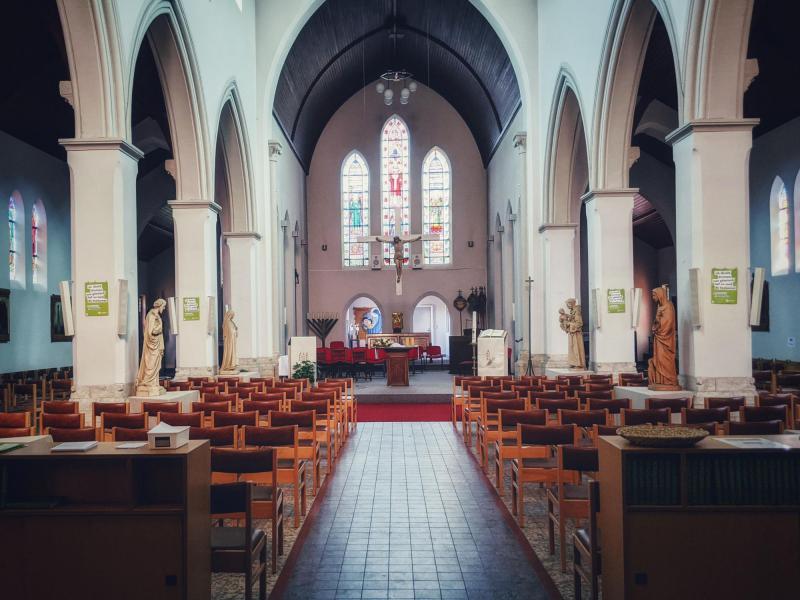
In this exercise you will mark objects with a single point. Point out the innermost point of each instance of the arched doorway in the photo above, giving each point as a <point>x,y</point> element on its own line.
<point>432,315</point>
<point>361,317</point>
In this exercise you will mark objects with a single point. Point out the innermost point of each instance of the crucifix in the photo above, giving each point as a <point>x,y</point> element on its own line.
<point>398,241</point>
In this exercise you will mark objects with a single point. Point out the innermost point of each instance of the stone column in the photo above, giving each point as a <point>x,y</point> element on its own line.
<point>609,215</point>
<point>558,245</point>
<point>243,294</point>
<point>105,349</point>
<point>523,326</point>
<point>196,277</point>
<point>713,231</point>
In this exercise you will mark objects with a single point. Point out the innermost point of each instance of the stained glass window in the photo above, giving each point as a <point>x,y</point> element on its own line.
<point>355,210</point>
<point>780,228</point>
<point>12,238</point>
<point>436,207</point>
<point>394,182</point>
<point>34,241</point>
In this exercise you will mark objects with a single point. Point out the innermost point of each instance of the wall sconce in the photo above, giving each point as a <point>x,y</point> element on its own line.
<point>470,244</point>
<point>324,247</point>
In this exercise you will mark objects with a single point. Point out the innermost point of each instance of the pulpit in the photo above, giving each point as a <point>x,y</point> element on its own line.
<point>397,365</point>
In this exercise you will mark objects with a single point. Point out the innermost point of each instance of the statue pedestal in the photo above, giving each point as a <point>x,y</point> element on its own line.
<point>184,397</point>
<point>637,395</point>
<point>552,373</point>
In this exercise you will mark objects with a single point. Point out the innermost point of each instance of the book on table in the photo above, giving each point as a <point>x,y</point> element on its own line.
<point>73,447</point>
<point>9,446</point>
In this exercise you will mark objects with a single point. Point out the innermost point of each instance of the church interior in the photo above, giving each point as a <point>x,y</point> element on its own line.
<point>414,299</point>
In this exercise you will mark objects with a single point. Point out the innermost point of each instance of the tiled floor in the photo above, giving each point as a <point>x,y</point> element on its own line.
<point>409,515</point>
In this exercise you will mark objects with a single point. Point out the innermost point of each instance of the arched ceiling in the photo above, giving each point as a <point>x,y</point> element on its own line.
<point>447,45</point>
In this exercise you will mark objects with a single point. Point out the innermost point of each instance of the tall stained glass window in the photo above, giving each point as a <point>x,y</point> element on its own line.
<point>355,210</point>
<point>35,241</point>
<point>780,226</point>
<point>436,207</point>
<point>12,238</point>
<point>16,240</point>
<point>394,182</point>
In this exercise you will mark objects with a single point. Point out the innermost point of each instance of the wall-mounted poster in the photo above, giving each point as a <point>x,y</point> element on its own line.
<point>616,301</point>
<point>95,298</point>
<point>5,315</point>
<point>724,285</point>
<point>57,320</point>
<point>191,308</point>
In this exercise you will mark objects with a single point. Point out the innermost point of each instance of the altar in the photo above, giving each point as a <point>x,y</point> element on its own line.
<point>397,365</point>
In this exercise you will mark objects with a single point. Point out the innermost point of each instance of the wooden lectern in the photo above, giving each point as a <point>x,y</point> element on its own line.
<point>396,366</point>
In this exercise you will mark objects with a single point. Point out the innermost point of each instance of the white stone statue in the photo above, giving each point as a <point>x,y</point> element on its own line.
<point>572,324</point>
<point>230,360</point>
<point>152,352</point>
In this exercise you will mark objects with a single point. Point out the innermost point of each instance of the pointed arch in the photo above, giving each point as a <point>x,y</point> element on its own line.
<point>437,208</point>
<point>354,177</point>
<point>395,181</point>
<point>780,227</point>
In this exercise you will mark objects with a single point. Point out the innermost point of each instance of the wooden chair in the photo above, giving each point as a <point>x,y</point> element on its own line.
<point>223,405</point>
<point>673,404</point>
<point>614,405</point>
<point>17,424</point>
<point>263,407</point>
<point>99,408</point>
<point>600,430</point>
<point>110,420</point>
<point>244,391</point>
<point>734,403</point>
<point>538,440</point>
<point>788,400</point>
<point>195,383</point>
<point>585,420</point>
<point>124,434</point>
<point>237,549</point>
<point>308,446</point>
<point>259,467</point>
<point>339,421</point>
<point>506,446</point>
<point>572,390</point>
<point>600,387</point>
<point>755,414</point>
<point>218,437</point>
<point>325,426</point>
<point>552,405</point>
<point>586,548</point>
<point>60,389</point>
<point>262,382</point>
<point>471,407</point>
<point>291,468</point>
<point>348,398</point>
<point>565,380</point>
<point>289,391</point>
<point>192,419</point>
<point>632,379</point>
<point>702,416</point>
<point>224,418</point>
<point>152,409</point>
<point>459,394</point>
<point>27,395</point>
<point>569,500</point>
<point>753,428</point>
<point>60,421</point>
<point>488,428</point>
<point>269,397</point>
<point>598,378</point>
<point>60,407</point>
<point>645,416</point>
<point>178,386</point>
<point>84,434</point>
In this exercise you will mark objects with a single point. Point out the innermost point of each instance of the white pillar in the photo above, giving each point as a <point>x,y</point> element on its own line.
<point>196,277</point>
<point>521,235</point>
<point>243,294</point>
<point>558,245</point>
<point>103,221</point>
<point>713,231</point>
<point>609,226</point>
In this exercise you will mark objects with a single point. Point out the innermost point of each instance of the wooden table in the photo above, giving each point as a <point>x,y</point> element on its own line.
<point>397,366</point>
<point>107,523</point>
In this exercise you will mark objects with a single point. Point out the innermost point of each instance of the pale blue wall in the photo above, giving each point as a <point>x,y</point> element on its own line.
<point>35,175</point>
<point>776,153</point>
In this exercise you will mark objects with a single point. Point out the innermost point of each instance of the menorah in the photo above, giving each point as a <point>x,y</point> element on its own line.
<point>322,323</point>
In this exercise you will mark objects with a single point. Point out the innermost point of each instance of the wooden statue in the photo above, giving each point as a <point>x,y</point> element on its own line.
<point>662,371</point>
<point>397,322</point>
<point>572,324</point>
<point>230,360</point>
<point>152,352</point>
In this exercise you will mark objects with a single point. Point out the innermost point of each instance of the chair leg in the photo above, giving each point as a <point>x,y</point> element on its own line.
<point>262,576</point>
<point>296,490</point>
<point>562,547</point>
<point>498,473</point>
<point>248,582</point>
<point>274,545</point>
<point>521,501</point>
<point>513,491</point>
<point>551,543</point>
<point>576,575</point>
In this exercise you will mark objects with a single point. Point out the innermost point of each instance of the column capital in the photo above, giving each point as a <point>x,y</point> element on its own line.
<point>189,204</point>
<point>241,235</point>
<point>521,142</point>
<point>89,144</point>
<point>597,194</point>
<point>710,125</point>
<point>275,150</point>
<point>557,226</point>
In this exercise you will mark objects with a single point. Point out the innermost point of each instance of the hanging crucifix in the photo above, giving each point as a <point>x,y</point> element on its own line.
<point>398,241</point>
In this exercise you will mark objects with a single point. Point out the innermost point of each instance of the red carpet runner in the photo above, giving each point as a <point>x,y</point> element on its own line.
<point>370,413</point>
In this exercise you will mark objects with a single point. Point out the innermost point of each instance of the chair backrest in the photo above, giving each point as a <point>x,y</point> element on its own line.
<point>124,434</point>
<point>552,405</point>
<point>719,414</point>
<point>495,395</point>
<point>285,435</point>
<point>217,436</point>
<point>153,408</point>
<point>633,416</point>
<point>570,380</point>
<point>212,389</point>
<point>15,420</point>
<point>230,460</point>
<point>491,406</point>
<point>208,407</point>
<point>599,387</point>
<point>434,351</point>
<point>598,430</point>
<point>599,395</point>
<point>62,421</point>
<point>289,391</point>
<point>262,406</point>
<point>272,396</point>
<point>595,378</point>
<point>9,432</point>
<point>235,499</point>
<point>549,395</point>
<point>216,398</point>
<point>224,418</point>
<point>578,458</point>
<point>734,403</point>
<point>176,386</point>
<point>100,408</point>
<point>61,407</point>
<point>322,407</point>
<point>754,428</point>
<point>192,419</point>
<point>244,390</point>
<point>631,378</point>
<point>674,404</point>
<point>328,395</point>
<point>511,418</point>
<point>572,390</point>
<point>359,355</point>
<point>546,435</point>
<point>776,400</point>
<point>131,421</point>
<point>764,413</point>
<point>336,344</point>
<point>614,406</point>
<point>84,434</point>
<point>583,418</point>
<point>474,390</point>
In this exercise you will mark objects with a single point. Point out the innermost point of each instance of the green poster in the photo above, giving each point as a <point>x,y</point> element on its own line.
<point>191,308</point>
<point>95,298</point>
<point>616,301</point>
<point>724,285</point>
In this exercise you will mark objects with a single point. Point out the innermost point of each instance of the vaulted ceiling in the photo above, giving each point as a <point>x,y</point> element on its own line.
<point>346,44</point>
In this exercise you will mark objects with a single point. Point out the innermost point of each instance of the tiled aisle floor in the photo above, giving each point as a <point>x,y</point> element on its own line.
<point>408,516</point>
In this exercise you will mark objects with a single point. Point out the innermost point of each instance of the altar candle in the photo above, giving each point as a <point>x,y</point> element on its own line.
<point>474,326</point>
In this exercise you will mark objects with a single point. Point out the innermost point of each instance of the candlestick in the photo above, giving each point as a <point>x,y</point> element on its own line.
<point>474,326</point>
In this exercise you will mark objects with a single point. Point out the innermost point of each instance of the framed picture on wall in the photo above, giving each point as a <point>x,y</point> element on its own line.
<point>5,315</point>
<point>57,320</point>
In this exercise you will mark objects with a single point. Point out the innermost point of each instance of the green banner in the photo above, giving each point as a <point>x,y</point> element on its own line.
<point>724,285</point>
<point>191,308</point>
<point>95,298</point>
<point>616,301</point>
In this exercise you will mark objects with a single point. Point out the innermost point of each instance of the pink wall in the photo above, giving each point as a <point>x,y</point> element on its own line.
<point>356,125</point>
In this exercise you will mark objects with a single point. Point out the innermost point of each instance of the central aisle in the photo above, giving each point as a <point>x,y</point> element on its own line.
<point>408,514</point>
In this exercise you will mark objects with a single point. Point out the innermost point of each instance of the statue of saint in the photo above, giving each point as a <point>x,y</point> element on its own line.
<point>662,370</point>
<point>230,361</point>
<point>152,352</point>
<point>572,324</point>
<point>397,322</point>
